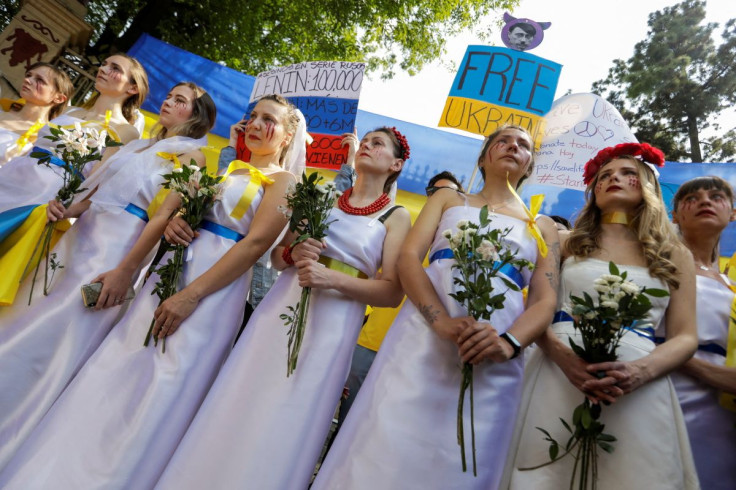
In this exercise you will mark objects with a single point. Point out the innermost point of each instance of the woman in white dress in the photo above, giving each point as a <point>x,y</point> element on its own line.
<point>26,186</point>
<point>259,428</point>
<point>43,345</point>
<point>120,420</point>
<point>624,221</point>
<point>702,208</point>
<point>46,91</point>
<point>401,431</point>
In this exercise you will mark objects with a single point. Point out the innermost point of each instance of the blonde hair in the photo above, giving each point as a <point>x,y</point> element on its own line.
<point>137,77</point>
<point>650,224</point>
<point>199,123</point>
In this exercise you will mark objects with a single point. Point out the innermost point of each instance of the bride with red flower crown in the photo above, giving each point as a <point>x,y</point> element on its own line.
<point>258,428</point>
<point>624,221</point>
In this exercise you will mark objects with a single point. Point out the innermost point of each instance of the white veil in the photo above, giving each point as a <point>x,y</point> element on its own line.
<point>296,156</point>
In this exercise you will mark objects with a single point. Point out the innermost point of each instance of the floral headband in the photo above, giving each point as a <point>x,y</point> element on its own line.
<point>405,150</point>
<point>648,154</point>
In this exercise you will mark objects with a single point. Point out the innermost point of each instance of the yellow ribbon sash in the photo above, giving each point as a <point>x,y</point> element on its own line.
<point>728,400</point>
<point>536,205</point>
<point>160,196</point>
<point>339,266</point>
<point>257,179</point>
<point>26,137</point>
<point>105,125</point>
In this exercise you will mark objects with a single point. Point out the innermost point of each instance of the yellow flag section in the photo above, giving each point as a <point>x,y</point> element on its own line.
<point>18,248</point>
<point>479,117</point>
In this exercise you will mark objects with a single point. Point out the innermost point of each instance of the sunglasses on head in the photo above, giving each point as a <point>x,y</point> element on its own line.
<point>433,188</point>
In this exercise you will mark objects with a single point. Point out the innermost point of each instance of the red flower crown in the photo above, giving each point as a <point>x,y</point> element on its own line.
<point>643,151</point>
<point>403,144</point>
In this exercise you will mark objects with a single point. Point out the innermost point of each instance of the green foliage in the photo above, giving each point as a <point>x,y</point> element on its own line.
<point>253,36</point>
<point>676,80</point>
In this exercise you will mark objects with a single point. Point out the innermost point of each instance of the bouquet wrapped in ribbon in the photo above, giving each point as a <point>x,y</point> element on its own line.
<point>601,323</point>
<point>75,148</point>
<point>309,205</point>
<point>198,191</point>
<point>480,256</point>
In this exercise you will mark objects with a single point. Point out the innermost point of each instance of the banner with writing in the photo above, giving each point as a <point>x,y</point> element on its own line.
<point>577,127</point>
<point>496,86</point>
<point>327,93</point>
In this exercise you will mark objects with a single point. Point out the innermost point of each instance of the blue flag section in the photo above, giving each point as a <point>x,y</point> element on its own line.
<point>432,150</point>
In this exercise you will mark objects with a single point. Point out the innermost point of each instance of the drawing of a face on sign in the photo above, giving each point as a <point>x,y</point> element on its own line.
<point>522,34</point>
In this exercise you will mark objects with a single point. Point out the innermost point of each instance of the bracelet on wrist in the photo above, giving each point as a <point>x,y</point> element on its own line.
<point>286,255</point>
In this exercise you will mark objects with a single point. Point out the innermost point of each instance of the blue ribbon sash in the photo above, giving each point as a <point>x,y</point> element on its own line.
<point>507,270</point>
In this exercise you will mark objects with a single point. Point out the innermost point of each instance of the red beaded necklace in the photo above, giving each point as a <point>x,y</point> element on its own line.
<point>373,207</point>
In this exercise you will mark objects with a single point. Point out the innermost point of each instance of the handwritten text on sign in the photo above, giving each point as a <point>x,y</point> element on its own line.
<point>496,86</point>
<point>577,127</point>
<point>327,93</point>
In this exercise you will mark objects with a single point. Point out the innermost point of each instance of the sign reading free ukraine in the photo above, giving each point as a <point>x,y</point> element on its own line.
<point>496,86</point>
<point>327,93</point>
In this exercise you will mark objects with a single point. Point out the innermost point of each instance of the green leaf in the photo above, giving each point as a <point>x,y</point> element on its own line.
<point>606,447</point>
<point>613,269</point>
<point>657,293</point>
<point>554,450</point>
<point>585,418</point>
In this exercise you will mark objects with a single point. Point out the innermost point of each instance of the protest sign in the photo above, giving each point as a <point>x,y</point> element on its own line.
<point>496,86</point>
<point>577,127</point>
<point>327,93</point>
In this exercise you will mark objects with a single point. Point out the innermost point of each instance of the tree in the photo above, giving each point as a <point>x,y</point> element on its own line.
<point>255,35</point>
<point>676,81</point>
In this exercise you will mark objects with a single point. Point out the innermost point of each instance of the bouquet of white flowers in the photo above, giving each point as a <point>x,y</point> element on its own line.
<point>198,191</point>
<point>480,256</point>
<point>309,206</point>
<point>75,149</point>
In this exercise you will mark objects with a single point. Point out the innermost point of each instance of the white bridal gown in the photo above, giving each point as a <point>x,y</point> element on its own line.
<point>120,420</point>
<point>43,345</point>
<point>257,428</point>
<point>711,428</point>
<point>401,432</point>
<point>652,450</point>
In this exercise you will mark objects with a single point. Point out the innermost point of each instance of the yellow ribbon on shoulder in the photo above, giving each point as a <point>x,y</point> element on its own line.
<point>105,125</point>
<point>257,179</point>
<point>160,196</point>
<point>536,205</point>
<point>17,248</point>
<point>25,138</point>
<point>728,400</point>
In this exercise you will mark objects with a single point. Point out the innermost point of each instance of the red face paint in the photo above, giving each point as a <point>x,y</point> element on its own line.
<point>634,182</point>
<point>599,187</point>
<point>269,130</point>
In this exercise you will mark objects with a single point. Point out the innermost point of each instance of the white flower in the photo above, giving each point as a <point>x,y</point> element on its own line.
<point>611,278</point>
<point>321,189</point>
<point>630,288</point>
<point>487,251</point>
<point>462,224</point>
<point>218,192</point>
<point>178,170</point>
<point>285,210</point>
<point>600,282</point>
<point>610,304</point>
<point>590,315</point>
<point>447,234</point>
<point>470,232</point>
<point>602,288</point>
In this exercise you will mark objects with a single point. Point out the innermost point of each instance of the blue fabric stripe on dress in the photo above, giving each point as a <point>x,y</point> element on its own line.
<point>507,270</point>
<point>136,211</point>
<point>644,332</point>
<point>54,160</point>
<point>11,219</point>
<point>220,230</point>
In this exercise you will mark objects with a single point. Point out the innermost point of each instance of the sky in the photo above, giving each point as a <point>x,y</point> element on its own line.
<point>585,37</point>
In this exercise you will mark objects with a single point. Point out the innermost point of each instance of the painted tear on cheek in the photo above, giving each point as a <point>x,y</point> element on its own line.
<point>248,123</point>
<point>269,131</point>
<point>634,182</point>
<point>599,187</point>
<point>114,75</point>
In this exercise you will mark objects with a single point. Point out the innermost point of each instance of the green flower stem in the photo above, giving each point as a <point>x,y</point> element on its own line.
<point>296,332</point>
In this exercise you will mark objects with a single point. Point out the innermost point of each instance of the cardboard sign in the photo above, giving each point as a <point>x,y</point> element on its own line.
<point>327,93</point>
<point>577,127</point>
<point>496,86</point>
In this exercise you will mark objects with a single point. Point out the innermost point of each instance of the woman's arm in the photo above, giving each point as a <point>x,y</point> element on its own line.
<point>115,283</point>
<point>679,346</point>
<point>383,291</point>
<point>267,223</point>
<point>719,377</point>
<point>414,279</point>
<point>483,342</point>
